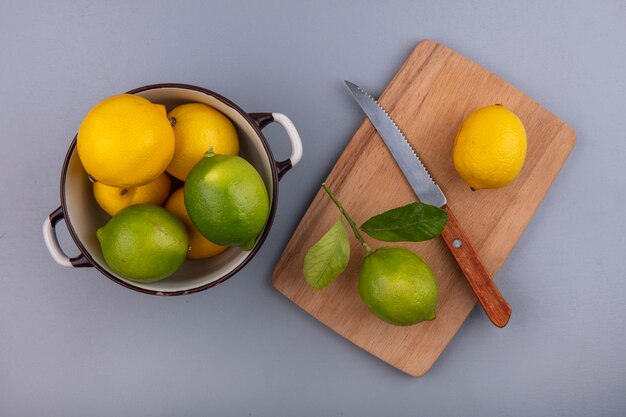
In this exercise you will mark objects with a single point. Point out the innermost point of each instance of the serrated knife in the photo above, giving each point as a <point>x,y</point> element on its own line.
<point>496,307</point>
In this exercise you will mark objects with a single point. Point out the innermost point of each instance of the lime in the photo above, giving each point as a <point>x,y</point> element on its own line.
<point>226,200</point>
<point>490,148</point>
<point>398,286</point>
<point>144,243</point>
<point>199,247</point>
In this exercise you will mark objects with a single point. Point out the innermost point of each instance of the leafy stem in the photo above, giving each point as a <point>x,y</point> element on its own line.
<point>345,214</point>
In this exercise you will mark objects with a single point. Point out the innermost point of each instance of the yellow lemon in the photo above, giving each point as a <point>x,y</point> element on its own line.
<point>197,127</point>
<point>125,141</point>
<point>490,148</point>
<point>199,247</point>
<point>114,199</point>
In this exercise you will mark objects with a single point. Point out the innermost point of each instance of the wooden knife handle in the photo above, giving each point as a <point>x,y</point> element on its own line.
<point>497,308</point>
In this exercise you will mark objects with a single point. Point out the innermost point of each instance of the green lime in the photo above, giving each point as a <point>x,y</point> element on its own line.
<point>226,200</point>
<point>398,286</point>
<point>144,243</point>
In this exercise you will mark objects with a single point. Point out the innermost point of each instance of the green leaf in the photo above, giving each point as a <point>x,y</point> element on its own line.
<point>328,257</point>
<point>414,222</point>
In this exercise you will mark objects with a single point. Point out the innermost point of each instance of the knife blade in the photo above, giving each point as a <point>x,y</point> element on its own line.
<point>427,190</point>
<point>411,165</point>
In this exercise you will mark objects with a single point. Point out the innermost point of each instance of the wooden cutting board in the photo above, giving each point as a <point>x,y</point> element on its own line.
<point>434,90</point>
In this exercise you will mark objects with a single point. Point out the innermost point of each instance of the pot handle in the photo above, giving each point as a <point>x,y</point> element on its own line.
<point>264,119</point>
<point>52,243</point>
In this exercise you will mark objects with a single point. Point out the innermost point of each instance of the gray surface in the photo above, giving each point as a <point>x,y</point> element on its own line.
<point>72,343</point>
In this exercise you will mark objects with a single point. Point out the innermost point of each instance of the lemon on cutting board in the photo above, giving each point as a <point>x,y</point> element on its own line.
<point>125,141</point>
<point>490,147</point>
<point>197,127</point>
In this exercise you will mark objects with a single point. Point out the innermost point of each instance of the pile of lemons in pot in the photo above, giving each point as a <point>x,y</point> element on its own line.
<point>137,153</point>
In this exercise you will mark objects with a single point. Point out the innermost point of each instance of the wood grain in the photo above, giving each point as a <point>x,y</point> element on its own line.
<point>431,94</point>
<point>467,258</point>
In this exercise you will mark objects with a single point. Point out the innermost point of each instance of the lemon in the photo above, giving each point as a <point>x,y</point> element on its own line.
<point>144,243</point>
<point>197,127</point>
<point>398,286</point>
<point>199,247</point>
<point>125,141</point>
<point>490,148</point>
<point>114,199</point>
<point>227,200</point>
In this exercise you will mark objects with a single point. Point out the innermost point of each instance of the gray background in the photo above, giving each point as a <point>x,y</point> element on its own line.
<point>72,343</point>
